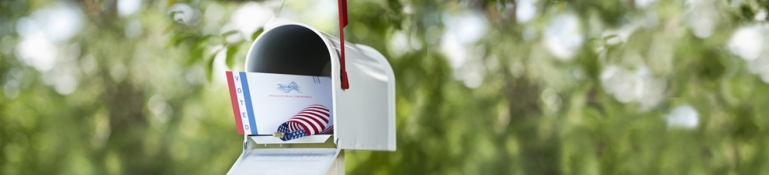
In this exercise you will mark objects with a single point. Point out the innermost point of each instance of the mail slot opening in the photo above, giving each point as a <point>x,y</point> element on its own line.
<point>290,49</point>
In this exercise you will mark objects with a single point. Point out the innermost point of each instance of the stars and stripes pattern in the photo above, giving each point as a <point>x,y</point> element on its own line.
<point>328,130</point>
<point>313,119</point>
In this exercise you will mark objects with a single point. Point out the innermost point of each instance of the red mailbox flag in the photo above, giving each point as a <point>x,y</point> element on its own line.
<point>342,24</point>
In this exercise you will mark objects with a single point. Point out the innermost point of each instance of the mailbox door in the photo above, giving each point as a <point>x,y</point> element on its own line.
<point>297,161</point>
<point>365,113</point>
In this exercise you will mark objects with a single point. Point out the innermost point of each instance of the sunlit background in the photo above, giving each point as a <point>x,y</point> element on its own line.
<point>483,86</point>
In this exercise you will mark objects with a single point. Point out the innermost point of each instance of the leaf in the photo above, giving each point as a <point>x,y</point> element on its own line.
<point>747,12</point>
<point>195,56</point>
<point>232,50</point>
<point>596,43</point>
<point>170,28</point>
<point>173,13</point>
<point>256,34</point>
<point>179,38</point>
<point>204,38</point>
<point>589,62</point>
<point>172,16</point>
<point>210,66</point>
<point>395,5</point>
<point>609,37</point>
<point>231,32</point>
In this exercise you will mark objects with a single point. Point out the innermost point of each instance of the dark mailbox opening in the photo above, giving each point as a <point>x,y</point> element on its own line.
<point>290,49</point>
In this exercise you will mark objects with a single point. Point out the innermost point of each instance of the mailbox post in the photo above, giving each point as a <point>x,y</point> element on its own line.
<point>364,114</point>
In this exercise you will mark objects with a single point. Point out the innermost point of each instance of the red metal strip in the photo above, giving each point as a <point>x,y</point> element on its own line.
<point>234,99</point>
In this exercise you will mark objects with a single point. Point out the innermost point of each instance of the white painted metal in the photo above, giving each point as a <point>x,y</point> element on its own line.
<point>298,161</point>
<point>365,112</point>
<point>338,167</point>
<point>320,138</point>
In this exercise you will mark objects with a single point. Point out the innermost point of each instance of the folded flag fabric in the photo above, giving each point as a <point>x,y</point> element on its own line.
<point>313,119</point>
<point>328,130</point>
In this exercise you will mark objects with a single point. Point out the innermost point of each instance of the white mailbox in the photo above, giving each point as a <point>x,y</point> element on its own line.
<point>363,115</point>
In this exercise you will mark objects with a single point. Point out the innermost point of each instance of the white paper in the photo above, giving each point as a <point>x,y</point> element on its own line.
<point>268,100</point>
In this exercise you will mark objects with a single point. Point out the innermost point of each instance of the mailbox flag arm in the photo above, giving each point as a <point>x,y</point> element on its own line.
<point>342,24</point>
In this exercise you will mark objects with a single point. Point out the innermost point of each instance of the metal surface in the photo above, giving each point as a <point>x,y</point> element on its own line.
<point>320,138</point>
<point>299,161</point>
<point>248,162</point>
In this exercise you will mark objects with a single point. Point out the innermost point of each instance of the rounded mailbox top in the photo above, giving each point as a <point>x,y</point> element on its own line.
<point>290,49</point>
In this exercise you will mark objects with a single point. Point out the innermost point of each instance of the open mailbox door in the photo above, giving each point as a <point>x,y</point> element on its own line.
<point>299,161</point>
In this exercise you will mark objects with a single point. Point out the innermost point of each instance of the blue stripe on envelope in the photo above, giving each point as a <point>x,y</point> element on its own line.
<point>250,109</point>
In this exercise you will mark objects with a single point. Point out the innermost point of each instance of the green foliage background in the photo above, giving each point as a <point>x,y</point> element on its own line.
<point>152,103</point>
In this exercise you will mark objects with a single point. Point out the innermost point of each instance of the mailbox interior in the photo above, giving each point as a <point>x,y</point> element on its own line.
<point>290,49</point>
<point>364,115</point>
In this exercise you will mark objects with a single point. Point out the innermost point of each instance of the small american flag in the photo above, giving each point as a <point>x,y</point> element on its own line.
<point>313,119</point>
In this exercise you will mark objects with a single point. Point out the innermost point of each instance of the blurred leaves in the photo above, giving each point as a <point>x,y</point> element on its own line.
<point>257,33</point>
<point>155,104</point>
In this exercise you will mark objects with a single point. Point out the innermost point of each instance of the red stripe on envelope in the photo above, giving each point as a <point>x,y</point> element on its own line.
<point>235,105</point>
